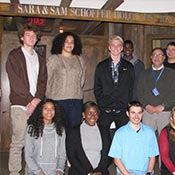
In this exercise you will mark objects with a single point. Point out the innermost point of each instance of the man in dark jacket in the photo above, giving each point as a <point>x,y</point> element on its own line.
<point>113,86</point>
<point>129,55</point>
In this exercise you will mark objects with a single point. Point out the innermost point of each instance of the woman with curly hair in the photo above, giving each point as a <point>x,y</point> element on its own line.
<point>167,146</point>
<point>66,76</point>
<point>45,152</point>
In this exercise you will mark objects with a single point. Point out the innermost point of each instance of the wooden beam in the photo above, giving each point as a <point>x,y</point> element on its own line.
<point>56,25</point>
<point>112,4</point>
<point>19,23</point>
<point>65,3</point>
<point>86,14</point>
<point>14,1</point>
<point>90,27</point>
<point>109,5</point>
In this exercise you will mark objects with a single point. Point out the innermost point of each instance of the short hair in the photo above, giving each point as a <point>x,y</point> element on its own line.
<point>134,103</point>
<point>129,42</point>
<point>115,37</point>
<point>29,27</point>
<point>59,40</point>
<point>157,48</point>
<point>89,104</point>
<point>172,43</point>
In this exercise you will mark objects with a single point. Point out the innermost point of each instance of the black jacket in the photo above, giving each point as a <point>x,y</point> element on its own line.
<point>80,164</point>
<point>114,95</point>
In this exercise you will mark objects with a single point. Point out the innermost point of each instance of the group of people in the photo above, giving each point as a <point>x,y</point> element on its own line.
<point>53,125</point>
<point>33,80</point>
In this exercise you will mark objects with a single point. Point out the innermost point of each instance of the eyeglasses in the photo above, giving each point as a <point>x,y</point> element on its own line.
<point>158,55</point>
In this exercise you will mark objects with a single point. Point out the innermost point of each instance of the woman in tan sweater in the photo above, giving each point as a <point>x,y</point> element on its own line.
<point>66,76</point>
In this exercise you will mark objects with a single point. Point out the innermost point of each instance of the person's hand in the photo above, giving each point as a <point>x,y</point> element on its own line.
<point>97,173</point>
<point>58,174</point>
<point>32,105</point>
<point>35,101</point>
<point>159,108</point>
<point>30,108</point>
<point>42,173</point>
<point>150,109</point>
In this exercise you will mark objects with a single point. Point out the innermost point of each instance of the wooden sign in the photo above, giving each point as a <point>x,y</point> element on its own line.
<point>86,14</point>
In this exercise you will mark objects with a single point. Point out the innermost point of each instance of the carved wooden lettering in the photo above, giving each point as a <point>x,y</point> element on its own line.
<point>86,14</point>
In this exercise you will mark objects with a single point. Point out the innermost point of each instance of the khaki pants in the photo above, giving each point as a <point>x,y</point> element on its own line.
<point>19,123</point>
<point>156,121</point>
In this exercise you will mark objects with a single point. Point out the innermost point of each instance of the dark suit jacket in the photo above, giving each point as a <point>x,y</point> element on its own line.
<point>80,164</point>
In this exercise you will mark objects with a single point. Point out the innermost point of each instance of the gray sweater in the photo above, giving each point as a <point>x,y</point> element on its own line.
<point>165,86</point>
<point>47,153</point>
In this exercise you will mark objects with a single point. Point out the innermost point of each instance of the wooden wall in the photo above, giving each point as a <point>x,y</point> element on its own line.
<point>93,52</point>
<point>140,35</point>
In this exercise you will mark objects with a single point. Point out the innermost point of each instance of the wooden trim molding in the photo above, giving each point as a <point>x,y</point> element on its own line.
<point>149,43</point>
<point>86,14</point>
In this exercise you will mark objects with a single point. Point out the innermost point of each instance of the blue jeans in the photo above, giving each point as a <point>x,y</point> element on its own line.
<point>73,111</point>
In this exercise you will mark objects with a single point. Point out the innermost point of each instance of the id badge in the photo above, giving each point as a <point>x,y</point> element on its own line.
<point>155,91</point>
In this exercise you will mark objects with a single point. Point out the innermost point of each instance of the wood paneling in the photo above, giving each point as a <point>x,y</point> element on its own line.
<point>142,35</point>
<point>93,52</point>
<point>94,49</point>
<point>86,14</point>
<point>9,41</point>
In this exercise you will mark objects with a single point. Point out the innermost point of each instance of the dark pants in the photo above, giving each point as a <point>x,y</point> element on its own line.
<point>164,170</point>
<point>119,117</point>
<point>73,111</point>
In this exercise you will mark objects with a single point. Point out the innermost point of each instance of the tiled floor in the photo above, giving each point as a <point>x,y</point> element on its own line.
<point>4,166</point>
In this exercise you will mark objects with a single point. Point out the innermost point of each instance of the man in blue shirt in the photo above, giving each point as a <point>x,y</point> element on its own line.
<point>134,146</point>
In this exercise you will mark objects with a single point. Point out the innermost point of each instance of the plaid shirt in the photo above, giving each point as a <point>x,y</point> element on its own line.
<point>115,72</point>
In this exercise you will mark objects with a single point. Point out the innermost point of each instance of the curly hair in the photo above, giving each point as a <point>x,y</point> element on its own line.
<point>36,123</point>
<point>59,40</point>
<point>129,42</point>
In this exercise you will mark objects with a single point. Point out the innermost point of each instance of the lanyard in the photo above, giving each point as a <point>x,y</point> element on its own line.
<point>154,76</point>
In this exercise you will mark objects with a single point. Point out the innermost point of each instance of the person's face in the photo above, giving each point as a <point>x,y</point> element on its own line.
<point>127,50</point>
<point>29,38</point>
<point>115,47</point>
<point>48,112</point>
<point>170,51</point>
<point>157,58</point>
<point>135,115</point>
<point>91,115</point>
<point>68,44</point>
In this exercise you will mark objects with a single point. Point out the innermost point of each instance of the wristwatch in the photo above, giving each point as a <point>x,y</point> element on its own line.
<point>149,173</point>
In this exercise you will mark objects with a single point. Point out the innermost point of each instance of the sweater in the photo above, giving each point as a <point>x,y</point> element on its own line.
<point>138,68</point>
<point>66,77</point>
<point>167,153</point>
<point>91,134</point>
<point>80,165</point>
<point>165,86</point>
<point>46,154</point>
<point>19,83</point>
